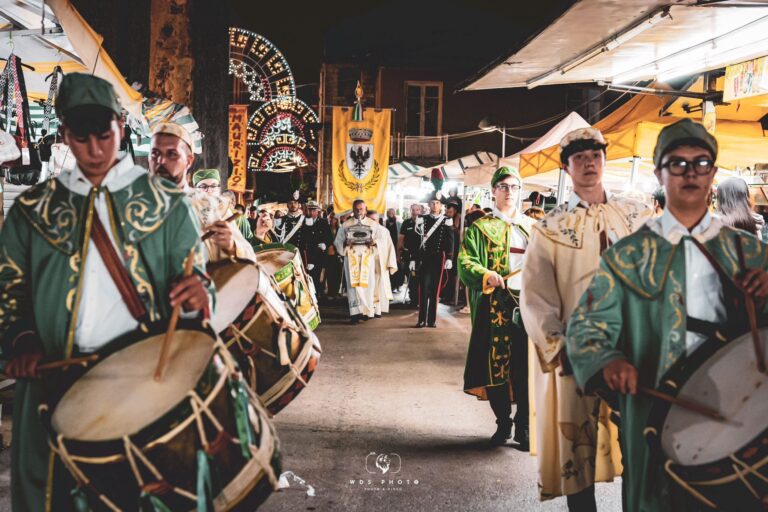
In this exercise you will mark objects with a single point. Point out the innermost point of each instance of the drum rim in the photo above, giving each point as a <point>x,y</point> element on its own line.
<point>141,437</point>
<point>671,382</point>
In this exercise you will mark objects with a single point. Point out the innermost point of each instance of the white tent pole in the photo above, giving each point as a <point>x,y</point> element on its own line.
<point>503,143</point>
<point>635,168</point>
<point>560,187</point>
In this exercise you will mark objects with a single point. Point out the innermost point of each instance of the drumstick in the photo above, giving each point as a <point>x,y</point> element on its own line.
<point>682,402</point>
<point>210,233</point>
<point>163,360</point>
<point>67,362</point>
<point>749,304</point>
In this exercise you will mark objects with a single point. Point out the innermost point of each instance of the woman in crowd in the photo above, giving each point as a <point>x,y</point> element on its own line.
<point>734,207</point>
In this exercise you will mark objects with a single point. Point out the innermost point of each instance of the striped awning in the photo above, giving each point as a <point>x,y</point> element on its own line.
<point>456,169</point>
<point>403,170</point>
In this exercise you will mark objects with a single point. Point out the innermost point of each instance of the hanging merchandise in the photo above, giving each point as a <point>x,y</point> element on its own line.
<point>9,151</point>
<point>48,139</point>
<point>26,169</point>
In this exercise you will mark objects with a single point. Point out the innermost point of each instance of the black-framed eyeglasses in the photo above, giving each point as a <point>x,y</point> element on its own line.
<point>679,166</point>
<point>206,188</point>
<point>507,188</point>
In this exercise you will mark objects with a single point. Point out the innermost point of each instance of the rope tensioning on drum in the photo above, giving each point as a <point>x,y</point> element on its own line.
<point>750,469</point>
<point>288,379</point>
<point>745,481</point>
<point>80,478</point>
<point>259,453</point>
<point>682,483</point>
<point>160,485</point>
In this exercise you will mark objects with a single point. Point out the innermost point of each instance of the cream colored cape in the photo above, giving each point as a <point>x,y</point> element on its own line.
<point>562,256</point>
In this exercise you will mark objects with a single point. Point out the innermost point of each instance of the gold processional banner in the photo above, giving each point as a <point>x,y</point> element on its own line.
<point>238,133</point>
<point>360,159</point>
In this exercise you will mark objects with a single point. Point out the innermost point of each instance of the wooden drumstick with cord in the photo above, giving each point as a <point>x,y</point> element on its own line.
<point>682,402</point>
<point>209,234</point>
<point>64,363</point>
<point>163,360</point>
<point>749,304</point>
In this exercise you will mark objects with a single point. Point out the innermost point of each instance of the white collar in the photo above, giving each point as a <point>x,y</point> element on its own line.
<point>509,220</point>
<point>295,215</point>
<point>435,216</point>
<point>575,200</point>
<point>122,174</point>
<point>670,225</point>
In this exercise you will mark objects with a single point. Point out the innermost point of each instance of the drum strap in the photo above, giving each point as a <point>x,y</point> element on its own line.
<point>117,270</point>
<point>703,326</point>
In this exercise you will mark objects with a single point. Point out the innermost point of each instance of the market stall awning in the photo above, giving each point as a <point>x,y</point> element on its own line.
<point>456,169</point>
<point>481,175</point>
<point>745,109</point>
<point>631,40</point>
<point>632,130</point>
<point>402,171</point>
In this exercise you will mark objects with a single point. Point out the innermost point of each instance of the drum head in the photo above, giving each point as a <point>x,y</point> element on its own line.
<point>119,396</point>
<point>274,259</point>
<point>236,285</point>
<point>729,382</point>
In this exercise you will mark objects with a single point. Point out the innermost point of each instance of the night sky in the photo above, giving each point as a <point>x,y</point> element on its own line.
<point>464,33</point>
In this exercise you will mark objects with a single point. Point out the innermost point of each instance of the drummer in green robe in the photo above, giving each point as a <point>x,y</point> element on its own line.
<point>57,296</point>
<point>656,297</point>
<point>490,265</point>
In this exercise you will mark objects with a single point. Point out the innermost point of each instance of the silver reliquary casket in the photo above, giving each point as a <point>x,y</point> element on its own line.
<point>359,234</point>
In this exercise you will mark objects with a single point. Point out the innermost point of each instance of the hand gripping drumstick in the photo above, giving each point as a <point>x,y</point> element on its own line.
<point>749,304</point>
<point>163,360</point>
<point>64,363</point>
<point>210,233</point>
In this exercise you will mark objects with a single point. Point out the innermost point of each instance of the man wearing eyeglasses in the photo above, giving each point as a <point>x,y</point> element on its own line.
<point>574,449</point>
<point>657,297</point>
<point>489,264</point>
<point>228,240</point>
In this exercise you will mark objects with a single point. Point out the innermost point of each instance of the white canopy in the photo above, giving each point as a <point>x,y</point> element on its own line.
<point>631,40</point>
<point>481,175</point>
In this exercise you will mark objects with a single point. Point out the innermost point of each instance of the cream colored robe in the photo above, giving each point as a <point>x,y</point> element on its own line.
<point>360,263</point>
<point>562,256</point>
<point>387,265</point>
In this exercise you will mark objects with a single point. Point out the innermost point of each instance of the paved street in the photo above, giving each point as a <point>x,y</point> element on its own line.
<point>384,387</point>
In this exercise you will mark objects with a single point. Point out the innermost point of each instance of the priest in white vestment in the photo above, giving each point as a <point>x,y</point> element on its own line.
<point>360,263</point>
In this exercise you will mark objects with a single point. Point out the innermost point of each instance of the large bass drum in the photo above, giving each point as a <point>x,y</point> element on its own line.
<point>197,440</point>
<point>283,262</point>
<point>267,336</point>
<point>724,464</point>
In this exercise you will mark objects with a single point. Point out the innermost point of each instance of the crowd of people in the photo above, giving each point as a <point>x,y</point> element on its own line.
<point>607,291</point>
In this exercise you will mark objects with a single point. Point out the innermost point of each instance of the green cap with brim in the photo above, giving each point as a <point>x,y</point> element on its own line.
<point>80,89</point>
<point>503,172</point>
<point>685,132</point>
<point>205,174</point>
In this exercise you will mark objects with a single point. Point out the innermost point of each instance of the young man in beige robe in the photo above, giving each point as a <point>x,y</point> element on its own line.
<point>575,442</point>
